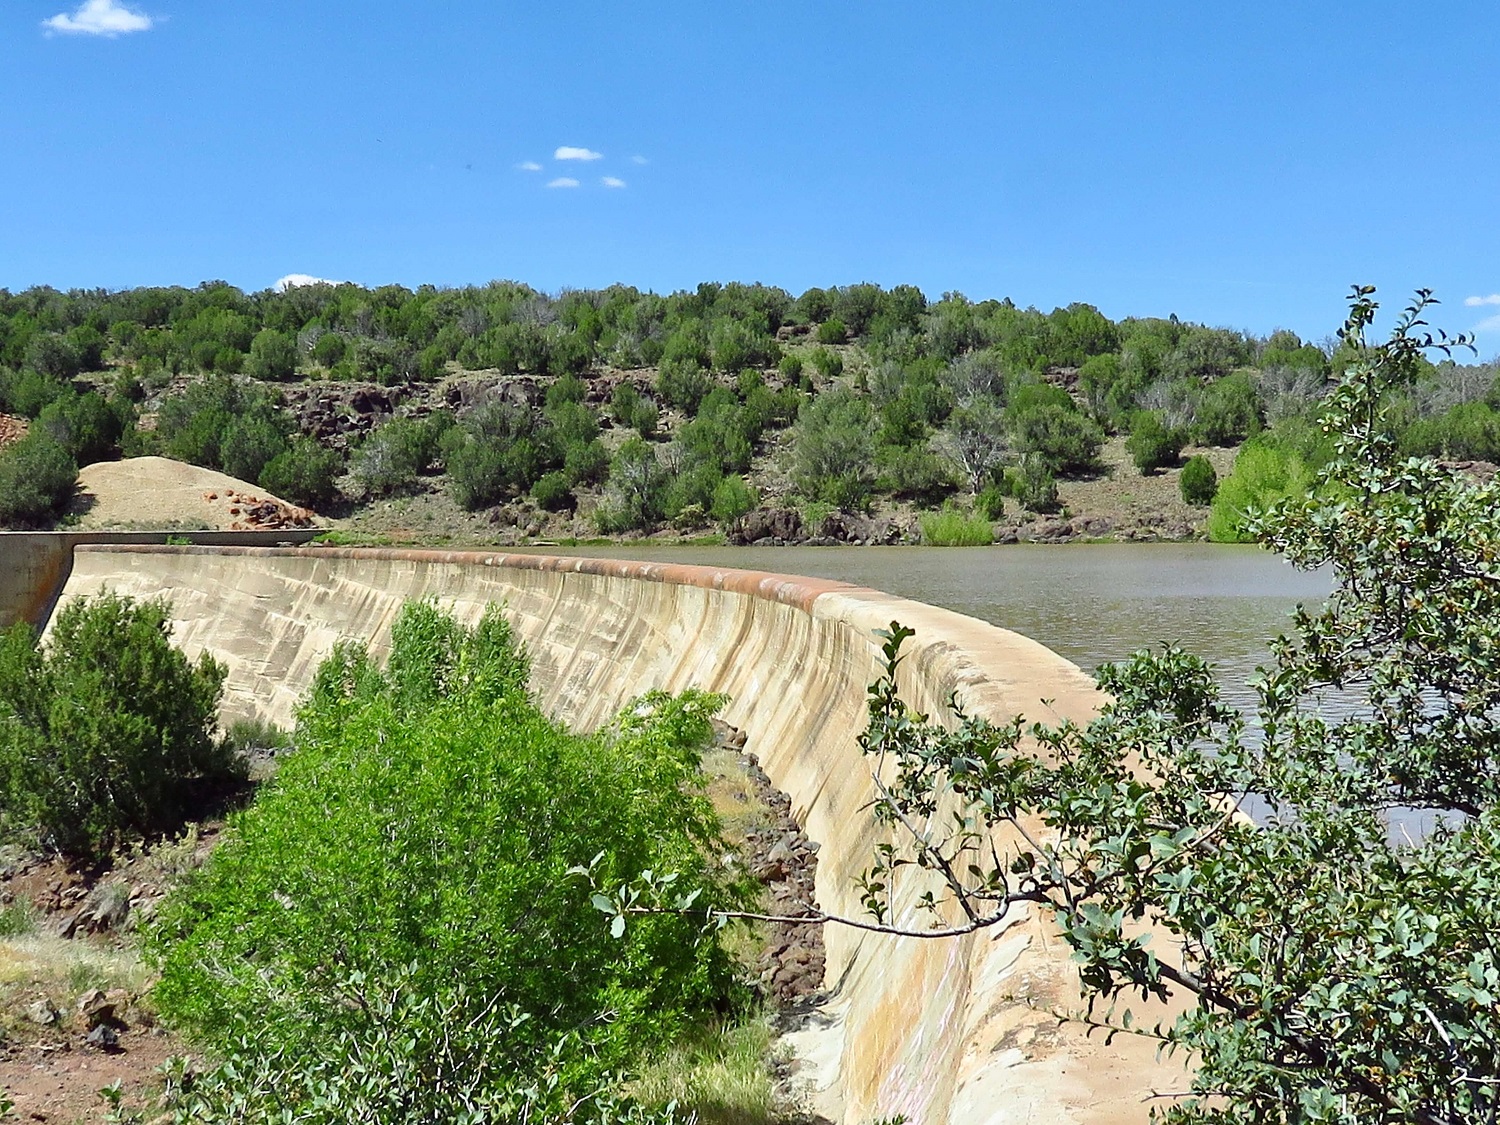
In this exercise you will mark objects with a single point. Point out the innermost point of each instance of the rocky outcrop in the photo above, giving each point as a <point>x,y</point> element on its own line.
<point>779,527</point>
<point>769,526</point>
<point>340,414</point>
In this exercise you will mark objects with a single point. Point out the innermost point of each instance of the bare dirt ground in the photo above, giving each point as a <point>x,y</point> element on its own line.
<point>74,1017</point>
<point>1124,503</point>
<point>158,493</point>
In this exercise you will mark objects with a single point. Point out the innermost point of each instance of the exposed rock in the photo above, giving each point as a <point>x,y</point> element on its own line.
<point>43,1013</point>
<point>103,1037</point>
<point>106,908</point>
<point>12,428</point>
<point>768,525</point>
<point>523,390</point>
<point>785,860</point>
<point>339,414</point>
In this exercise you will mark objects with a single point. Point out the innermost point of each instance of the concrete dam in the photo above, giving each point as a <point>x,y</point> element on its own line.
<point>953,1031</point>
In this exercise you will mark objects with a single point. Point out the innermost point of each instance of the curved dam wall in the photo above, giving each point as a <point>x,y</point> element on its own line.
<point>955,1031</point>
<point>34,565</point>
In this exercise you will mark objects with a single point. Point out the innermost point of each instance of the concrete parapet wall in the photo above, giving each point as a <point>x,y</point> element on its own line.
<point>943,1031</point>
<point>34,565</point>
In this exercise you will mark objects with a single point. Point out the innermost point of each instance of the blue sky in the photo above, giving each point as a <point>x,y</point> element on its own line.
<point>1240,167</point>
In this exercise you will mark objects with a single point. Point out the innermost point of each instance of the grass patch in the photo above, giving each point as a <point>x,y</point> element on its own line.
<point>36,965</point>
<point>813,513</point>
<point>16,920</point>
<point>953,528</point>
<point>341,538</point>
<point>722,1075</point>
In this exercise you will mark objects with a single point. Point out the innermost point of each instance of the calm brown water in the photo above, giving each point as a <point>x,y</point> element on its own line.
<point>1088,602</point>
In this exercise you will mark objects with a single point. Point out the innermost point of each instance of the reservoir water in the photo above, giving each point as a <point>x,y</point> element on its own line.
<point>1090,603</point>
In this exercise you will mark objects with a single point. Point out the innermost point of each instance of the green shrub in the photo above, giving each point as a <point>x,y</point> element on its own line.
<point>392,456</point>
<point>1033,484</point>
<point>833,449</point>
<point>565,390</point>
<point>733,497</point>
<point>737,345</point>
<point>953,528</point>
<point>304,474</point>
<point>252,443</point>
<point>1198,481</point>
<point>832,331</point>
<point>554,492</point>
<point>16,920</point>
<point>790,367</point>
<point>397,916</point>
<point>54,354</point>
<point>1472,433</point>
<point>1228,412</point>
<point>1152,444</point>
<point>273,355</point>
<point>224,423</point>
<point>479,470</point>
<point>110,730</point>
<point>990,502</point>
<point>692,487</point>
<point>683,383</point>
<point>36,480</point>
<point>86,425</point>
<point>330,348</point>
<point>634,496</point>
<point>915,473</point>
<point>585,463</point>
<point>1263,473</point>
<point>828,363</point>
<point>247,736</point>
<point>28,392</point>
<point>1060,436</point>
<point>631,408</point>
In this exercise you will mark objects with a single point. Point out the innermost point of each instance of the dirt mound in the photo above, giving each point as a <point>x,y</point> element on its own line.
<point>11,429</point>
<point>154,492</point>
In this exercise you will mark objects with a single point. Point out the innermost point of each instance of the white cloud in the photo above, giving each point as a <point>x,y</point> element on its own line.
<point>612,181</point>
<point>296,280</point>
<point>563,181</point>
<point>98,17</point>
<point>529,166</point>
<point>639,160</point>
<point>1488,324</point>
<point>569,152</point>
<point>1475,302</point>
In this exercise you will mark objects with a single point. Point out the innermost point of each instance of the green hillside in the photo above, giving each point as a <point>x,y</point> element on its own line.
<point>840,415</point>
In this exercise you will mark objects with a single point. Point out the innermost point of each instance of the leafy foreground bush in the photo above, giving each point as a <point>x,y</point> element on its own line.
<point>391,932</point>
<point>109,730</point>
